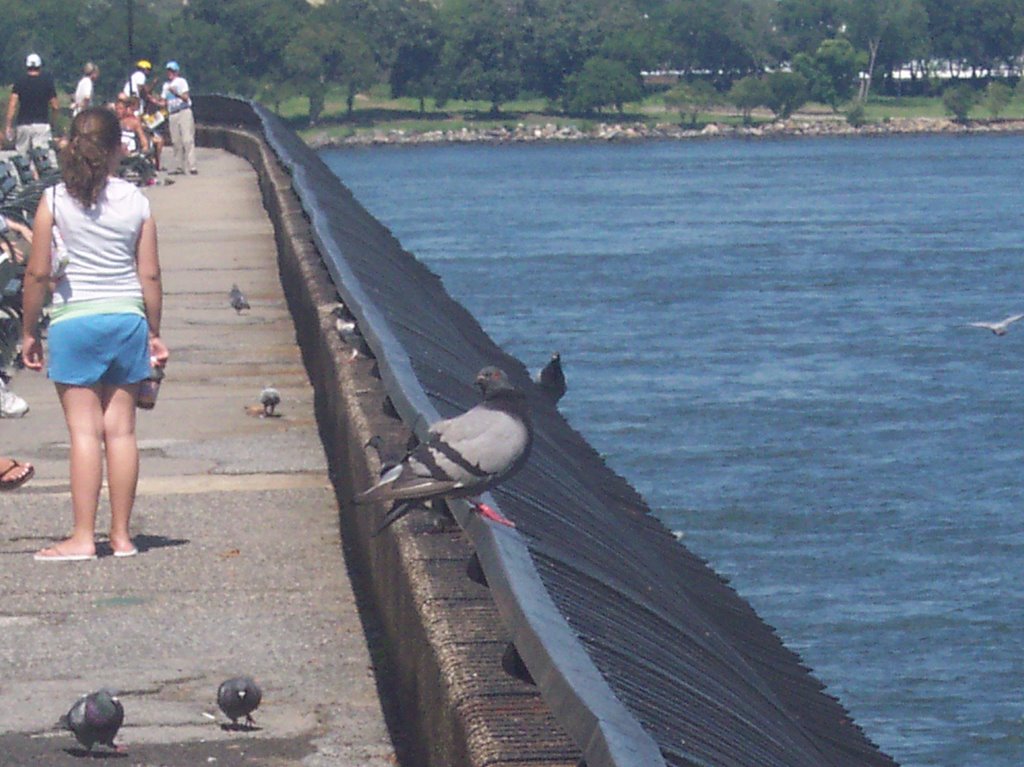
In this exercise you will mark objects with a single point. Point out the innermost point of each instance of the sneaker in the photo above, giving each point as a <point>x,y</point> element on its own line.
<point>11,405</point>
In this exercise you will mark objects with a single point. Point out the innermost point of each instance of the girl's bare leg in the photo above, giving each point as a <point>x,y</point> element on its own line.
<point>122,460</point>
<point>83,412</point>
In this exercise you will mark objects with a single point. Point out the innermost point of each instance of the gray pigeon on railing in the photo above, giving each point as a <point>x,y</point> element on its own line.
<point>238,300</point>
<point>463,456</point>
<point>95,718</point>
<point>551,379</point>
<point>238,697</point>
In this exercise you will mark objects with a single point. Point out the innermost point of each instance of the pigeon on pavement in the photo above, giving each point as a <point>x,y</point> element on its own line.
<point>999,328</point>
<point>551,379</point>
<point>270,398</point>
<point>463,456</point>
<point>95,718</point>
<point>238,697</point>
<point>238,302</point>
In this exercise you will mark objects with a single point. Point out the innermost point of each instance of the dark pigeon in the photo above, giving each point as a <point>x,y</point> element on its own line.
<point>349,333</point>
<point>238,697</point>
<point>270,398</point>
<point>95,718</point>
<point>463,456</point>
<point>238,302</point>
<point>551,379</point>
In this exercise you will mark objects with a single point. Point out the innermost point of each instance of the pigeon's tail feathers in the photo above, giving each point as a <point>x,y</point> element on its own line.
<point>399,510</point>
<point>400,485</point>
<point>380,491</point>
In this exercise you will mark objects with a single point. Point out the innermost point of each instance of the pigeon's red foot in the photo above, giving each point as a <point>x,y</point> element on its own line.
<point>487,512</point>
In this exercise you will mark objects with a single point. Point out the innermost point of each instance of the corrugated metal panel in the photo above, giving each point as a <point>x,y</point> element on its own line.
<point>644,654</point>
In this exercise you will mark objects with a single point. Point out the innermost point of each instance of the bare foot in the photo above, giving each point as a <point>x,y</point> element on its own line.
<point>65,551</point>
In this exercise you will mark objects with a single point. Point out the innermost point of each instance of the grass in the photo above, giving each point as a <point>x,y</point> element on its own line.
<point>378,111</point>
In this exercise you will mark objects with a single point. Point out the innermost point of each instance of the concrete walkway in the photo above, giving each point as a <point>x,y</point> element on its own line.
<point>240,567</point>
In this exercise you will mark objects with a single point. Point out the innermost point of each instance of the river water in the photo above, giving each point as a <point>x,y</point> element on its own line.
<point>768,340</point>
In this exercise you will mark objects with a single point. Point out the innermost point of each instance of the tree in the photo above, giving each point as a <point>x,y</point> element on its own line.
<point>997,97</point>
<point>418,55</point>
<point>482,54</point>
<point>325,51</point>
<point>692,98</point>
<point>231,45</point>
<point>747,94</point>
<point>872,23</point>
<point>787,92</point>
<point>831,72</point>
<point>600,83</point>
<point>710,36</point>
<point>560,35</point>
<point>958,101</point>
<point>804,24</point>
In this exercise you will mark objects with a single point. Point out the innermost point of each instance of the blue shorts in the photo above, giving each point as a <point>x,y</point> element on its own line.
<point>99,349</point>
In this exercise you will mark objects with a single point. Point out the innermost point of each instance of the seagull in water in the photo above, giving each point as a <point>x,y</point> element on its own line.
<point>999,328</point>
<point>463,456</point>
<point>238,697</point>
<point>95,718</point>
<point>270,398</point>
<point>238,302</point>
<point>551,379</point>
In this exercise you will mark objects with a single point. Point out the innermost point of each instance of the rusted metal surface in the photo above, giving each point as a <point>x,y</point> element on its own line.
<point>643,653</point>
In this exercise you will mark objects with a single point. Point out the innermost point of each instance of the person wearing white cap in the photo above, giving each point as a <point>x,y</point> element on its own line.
<point>30,108</point>
<point>174,97</point>
<point>83,93</point>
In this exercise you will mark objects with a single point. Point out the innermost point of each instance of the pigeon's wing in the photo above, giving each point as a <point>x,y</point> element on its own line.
<point>486,439</point>
<point>985,325</point>
<point>1012,318</point>
<point>419,475</point>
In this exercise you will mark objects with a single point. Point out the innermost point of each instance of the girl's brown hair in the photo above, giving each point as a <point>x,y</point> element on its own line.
<point>86,158</point>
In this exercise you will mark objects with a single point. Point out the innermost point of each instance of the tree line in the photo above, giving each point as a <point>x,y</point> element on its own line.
<point>580,55</point>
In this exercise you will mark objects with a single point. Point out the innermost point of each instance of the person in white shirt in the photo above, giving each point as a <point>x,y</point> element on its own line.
<point>174,97</point>
<point>104,333</point>
<point>83,93</point>
<point>137,83</point>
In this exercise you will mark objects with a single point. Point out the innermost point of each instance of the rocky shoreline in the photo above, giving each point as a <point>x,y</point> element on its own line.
<point>551,132</point>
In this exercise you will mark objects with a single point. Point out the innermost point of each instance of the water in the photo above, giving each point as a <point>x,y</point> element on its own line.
<point>767,340</point>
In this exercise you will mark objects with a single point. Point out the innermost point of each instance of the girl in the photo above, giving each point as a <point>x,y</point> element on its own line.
<point>104,323</point>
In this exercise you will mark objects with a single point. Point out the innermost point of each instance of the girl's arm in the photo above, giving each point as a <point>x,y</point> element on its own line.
<point>37,282</point>
<point>148,264</point>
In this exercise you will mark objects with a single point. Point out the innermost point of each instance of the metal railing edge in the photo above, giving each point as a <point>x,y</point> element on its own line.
<point>580,697</point>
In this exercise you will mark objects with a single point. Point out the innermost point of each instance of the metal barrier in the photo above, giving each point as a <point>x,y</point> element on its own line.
<point>645,655</point>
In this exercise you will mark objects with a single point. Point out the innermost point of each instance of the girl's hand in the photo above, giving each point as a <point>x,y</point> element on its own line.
<point>32,352</point>
<point>158,350</point>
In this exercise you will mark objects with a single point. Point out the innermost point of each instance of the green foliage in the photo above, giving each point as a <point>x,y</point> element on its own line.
<point>997,97</point>
<point>747,94</point>
<point>831,72</point>
<point>482,53</point>
<point>602,82</point>
<point>692,99</point>
<point>958,100</point>
<point>856,115</point>
<point>787,92</point>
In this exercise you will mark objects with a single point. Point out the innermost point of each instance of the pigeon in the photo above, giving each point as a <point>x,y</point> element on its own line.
<point>388,458</point>
<point>347,329</point>
<point>463,456</point>
<point>95,718</point>
<point>270,398</point>
<point>999,328</point>
<point>238,302</point>
<point>238,697</point>
<point>551,379</point>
